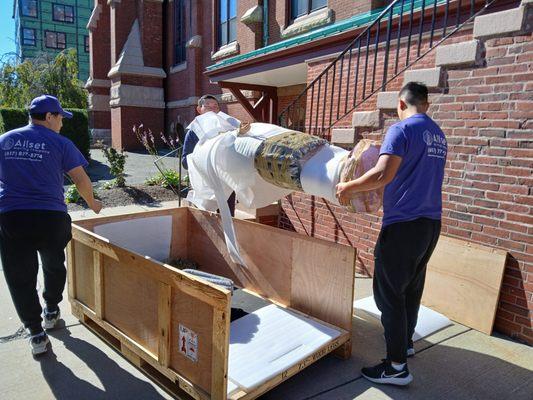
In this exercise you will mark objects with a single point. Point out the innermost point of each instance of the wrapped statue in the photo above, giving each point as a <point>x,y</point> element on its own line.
<point>263,163</point>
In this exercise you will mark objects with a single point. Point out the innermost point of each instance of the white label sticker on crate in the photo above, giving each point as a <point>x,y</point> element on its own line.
<point>188,343</point>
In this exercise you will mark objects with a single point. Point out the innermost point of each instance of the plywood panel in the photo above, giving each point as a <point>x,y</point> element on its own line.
<point>323,281</point>
<point>180,233</point>
<point>267,252</point>
<point>463,282</point>
<point>84,279</point>
<point>196,316</point>
<point>131,303</point>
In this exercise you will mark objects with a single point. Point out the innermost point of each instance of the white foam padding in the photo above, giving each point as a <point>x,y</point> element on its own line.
<point>270,340</point>
<point>429,321</point>
<point>149,236</point>
<point>321,173</point>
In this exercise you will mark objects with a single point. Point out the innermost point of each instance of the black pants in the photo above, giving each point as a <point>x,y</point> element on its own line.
<point>401,255</point>
<point>23,234</point>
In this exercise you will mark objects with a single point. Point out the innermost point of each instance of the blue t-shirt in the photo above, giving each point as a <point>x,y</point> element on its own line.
<point>416,191</point>
<point>32,162</point>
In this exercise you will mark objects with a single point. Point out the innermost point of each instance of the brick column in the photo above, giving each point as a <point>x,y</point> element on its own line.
<point>137,94</point>
<point>98,83</point>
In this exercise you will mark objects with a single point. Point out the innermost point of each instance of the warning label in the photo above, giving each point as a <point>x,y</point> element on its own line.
<point>188,343</point>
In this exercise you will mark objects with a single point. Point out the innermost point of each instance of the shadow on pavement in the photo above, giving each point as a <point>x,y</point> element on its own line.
<point>117,383</point>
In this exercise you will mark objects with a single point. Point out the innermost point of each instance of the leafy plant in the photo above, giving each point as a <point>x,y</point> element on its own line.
<point>117,162</point>
<point>169,178</point>
<point>72,195</point>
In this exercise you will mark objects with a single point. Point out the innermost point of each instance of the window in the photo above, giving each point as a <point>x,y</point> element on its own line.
<point>29,8</point>
<point>179,32</point>
<point>304,7</point>
<point>227,28</point>
<point>55,40</point>
<point>63,13</point>
<point>86,44</point>
<point>28,37</point>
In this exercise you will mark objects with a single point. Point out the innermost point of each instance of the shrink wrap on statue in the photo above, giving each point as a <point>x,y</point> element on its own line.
<point>263,163</point>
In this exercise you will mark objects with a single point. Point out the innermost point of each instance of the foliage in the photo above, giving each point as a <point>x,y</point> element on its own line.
<point>77,130</point>
<point>12,118</point>
<point>169,178</point>
<point>117,162</point>
<point>72,195</point>
<point>20,82</point>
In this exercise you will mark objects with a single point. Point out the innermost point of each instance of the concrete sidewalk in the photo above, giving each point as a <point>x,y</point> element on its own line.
<point>456,363</point>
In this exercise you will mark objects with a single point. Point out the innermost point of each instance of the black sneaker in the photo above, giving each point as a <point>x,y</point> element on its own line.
<point>39,343</point>
<point>385,373</point>
<point>51,318</point>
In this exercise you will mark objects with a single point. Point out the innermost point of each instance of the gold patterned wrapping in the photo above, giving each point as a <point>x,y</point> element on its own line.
<point>279,159</point>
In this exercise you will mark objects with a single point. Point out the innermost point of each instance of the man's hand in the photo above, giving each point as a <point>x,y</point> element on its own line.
<point>343,193</point>
<point>96,206</point>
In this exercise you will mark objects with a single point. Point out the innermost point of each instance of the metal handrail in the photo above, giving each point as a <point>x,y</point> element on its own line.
<point>340,91</point>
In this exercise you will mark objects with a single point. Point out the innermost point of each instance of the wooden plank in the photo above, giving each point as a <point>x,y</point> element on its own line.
<point>463,282</point>
<point>180,234</point>
<point>164,318</point>
<point>289,372</point>
<point>131,303</point>
<point>99,293</point>
<point>197,316</point>
<point>219,374</point>
<point>71,270</point>
<point>323,281</point>
<point>84,279</point>
<point>104,219</point>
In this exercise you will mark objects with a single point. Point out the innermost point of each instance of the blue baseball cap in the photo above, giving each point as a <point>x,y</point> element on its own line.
<point>46,103</point>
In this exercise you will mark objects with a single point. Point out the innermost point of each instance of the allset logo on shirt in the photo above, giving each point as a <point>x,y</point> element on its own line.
<point>24,150</point>
<point>436,144</point>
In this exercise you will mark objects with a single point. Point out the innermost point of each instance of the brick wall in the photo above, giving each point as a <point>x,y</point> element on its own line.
<point>487,115</point>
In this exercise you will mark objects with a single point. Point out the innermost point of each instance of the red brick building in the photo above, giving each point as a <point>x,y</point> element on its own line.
<point>151,60</point>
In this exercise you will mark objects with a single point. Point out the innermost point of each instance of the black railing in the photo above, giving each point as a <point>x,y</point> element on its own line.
<point>375,57</point>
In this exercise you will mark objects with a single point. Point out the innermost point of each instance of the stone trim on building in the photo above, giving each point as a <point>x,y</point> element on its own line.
<point>226,51</point>
<point>305,23</point>
<point>136,96</point>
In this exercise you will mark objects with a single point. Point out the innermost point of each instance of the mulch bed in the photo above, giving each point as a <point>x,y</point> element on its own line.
<point>135,194</point>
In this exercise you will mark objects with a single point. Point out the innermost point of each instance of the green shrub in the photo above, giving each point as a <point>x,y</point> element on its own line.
<point>117,162</point>
<point>168,179</point>
<point>12,118</point>
<point>76,128</point>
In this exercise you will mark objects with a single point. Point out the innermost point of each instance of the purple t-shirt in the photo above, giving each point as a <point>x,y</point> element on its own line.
<point>416,191</point>
<point>32,162</point>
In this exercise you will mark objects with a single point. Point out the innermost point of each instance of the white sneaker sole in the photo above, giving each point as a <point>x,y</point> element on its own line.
<point>391,381</point>
<point>40,348</point>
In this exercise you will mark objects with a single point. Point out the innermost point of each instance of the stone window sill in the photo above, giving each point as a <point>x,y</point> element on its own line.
<point>178,67</point>
<point>308,22</point>
<point>226,51</point>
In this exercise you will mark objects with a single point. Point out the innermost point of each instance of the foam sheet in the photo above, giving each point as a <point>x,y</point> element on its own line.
<point>429,321</point>
<point>146,236</point>
<point>270,340</point>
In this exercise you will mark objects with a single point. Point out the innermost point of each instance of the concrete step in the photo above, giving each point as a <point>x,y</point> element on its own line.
<point>431,77</point>
<point>387,100</point>
<point>366,119</point>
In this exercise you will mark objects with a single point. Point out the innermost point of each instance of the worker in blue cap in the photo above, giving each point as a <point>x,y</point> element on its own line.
<point>33,214</point>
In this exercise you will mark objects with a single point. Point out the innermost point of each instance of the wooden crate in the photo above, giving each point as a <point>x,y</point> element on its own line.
<point>123,290</point>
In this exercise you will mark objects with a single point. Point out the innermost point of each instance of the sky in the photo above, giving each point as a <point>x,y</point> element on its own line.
<point>7,27</point>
